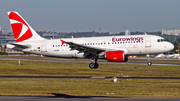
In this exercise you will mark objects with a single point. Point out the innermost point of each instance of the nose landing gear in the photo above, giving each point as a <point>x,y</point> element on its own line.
<point>149,63</point>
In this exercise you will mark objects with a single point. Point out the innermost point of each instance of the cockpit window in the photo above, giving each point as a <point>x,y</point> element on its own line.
<point>161,40</point>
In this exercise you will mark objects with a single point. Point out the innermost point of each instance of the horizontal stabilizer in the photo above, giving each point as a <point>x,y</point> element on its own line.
<point>20,46</point>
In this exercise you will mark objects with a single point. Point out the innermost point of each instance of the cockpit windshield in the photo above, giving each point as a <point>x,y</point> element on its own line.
<point>161,40</point>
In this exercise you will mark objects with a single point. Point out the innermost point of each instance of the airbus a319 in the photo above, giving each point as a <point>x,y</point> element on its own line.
<point>111,48</point>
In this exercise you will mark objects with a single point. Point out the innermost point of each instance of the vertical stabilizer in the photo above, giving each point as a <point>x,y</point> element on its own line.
<point>21,29</point>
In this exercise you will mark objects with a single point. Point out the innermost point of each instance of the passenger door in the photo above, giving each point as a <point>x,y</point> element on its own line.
<point>148,42</point>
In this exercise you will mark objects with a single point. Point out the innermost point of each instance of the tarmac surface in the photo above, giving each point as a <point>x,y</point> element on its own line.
<point>80,77</point>
<point>99,61</point>
<point>83,98</point>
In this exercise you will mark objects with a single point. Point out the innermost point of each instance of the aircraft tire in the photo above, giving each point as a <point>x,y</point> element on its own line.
<point>149,63</point>
<point>93,65</point>
<point>96,65</point>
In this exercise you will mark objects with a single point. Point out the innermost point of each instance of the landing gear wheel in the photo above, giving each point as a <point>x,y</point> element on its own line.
<point>149,63</point>
<point>93,65</point>
<point>96,65</point>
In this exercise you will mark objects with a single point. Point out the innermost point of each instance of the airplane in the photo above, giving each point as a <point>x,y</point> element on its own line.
<point>111,48</point>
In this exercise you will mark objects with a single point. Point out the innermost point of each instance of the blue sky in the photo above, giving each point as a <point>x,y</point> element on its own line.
<point>87,15</point>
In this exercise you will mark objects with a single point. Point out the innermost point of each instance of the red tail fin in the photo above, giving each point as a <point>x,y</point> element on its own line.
<point>21,29</point>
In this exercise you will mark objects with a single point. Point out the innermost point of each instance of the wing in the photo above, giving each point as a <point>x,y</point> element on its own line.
<point>87,50</point>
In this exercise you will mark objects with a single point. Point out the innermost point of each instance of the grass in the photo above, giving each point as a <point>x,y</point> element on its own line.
<point>90,87</point>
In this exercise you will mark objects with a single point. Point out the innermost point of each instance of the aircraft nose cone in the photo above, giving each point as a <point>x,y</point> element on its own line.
<point>171,46</point>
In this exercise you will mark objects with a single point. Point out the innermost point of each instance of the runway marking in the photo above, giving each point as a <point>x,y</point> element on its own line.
<point>97,77</point>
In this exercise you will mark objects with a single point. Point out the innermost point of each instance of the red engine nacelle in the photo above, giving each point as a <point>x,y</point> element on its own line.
<point>116,56</point>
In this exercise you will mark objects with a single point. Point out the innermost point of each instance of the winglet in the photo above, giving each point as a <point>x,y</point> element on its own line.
<point>62,41</point>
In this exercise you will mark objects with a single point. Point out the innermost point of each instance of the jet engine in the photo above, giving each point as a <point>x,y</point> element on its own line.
<point>116,56</point>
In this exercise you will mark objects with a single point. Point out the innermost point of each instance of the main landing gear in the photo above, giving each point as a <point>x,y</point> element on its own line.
<point>149,63</point>
<point>93,65</point>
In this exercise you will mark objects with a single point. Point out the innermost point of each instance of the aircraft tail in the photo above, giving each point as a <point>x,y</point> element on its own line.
<point>21,29</point>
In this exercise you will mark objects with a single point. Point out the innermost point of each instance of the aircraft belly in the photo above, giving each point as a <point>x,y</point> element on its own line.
<point>132,50</point>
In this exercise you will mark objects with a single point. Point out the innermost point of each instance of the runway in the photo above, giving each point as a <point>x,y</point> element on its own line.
<point>83,98</point>
<point>99,61</point>
<point>80,77</point>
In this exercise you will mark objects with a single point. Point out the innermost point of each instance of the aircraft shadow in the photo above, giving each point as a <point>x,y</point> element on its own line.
<point>58,95</point>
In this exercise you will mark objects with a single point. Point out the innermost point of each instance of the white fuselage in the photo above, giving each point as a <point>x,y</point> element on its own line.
<point>131,45</point>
